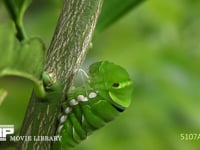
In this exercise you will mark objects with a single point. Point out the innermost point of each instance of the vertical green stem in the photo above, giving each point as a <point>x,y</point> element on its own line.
<point>65,55</point>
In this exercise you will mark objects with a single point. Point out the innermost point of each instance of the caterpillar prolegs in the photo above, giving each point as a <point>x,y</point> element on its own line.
<point>87,109</point>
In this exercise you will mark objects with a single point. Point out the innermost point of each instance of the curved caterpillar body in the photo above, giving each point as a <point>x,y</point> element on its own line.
<point>109,93</point>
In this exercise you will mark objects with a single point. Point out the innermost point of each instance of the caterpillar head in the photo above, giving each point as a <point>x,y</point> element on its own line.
<point>112,82</point>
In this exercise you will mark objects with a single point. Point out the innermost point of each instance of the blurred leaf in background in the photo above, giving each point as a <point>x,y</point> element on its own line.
<point>158,43</point>
<point>113,10</point>
<point>12,108</point>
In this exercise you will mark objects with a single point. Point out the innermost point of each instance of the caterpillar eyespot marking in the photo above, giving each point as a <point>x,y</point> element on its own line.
<point>115,85</point>
<point>108,93</point>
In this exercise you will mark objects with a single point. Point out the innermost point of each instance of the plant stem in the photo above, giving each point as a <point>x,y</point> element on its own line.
<point>66,53</point>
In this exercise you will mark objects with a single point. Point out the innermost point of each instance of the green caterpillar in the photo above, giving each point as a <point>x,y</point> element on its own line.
<point>87,109</point>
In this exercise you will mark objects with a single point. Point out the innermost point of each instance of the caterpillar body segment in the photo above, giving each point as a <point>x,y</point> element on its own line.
<point>108,93</point>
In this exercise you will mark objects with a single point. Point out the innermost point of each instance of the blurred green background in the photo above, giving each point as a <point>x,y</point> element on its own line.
<point>159,44</point>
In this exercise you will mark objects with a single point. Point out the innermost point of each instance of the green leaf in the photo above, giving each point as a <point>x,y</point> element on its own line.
<point>7,42</point>
<point>25,59</point>
<point>112,10</point>
<point>17,9</point>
